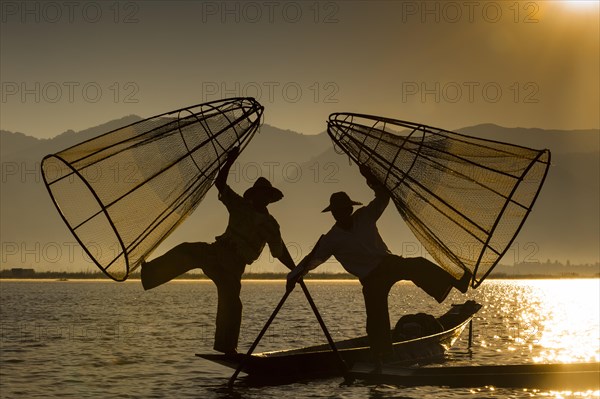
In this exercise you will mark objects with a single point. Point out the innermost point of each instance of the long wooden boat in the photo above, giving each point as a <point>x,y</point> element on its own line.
<point>320,361</point>
<point>573,376</point>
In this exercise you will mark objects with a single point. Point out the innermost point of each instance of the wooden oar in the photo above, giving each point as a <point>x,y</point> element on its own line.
<point>344,368</point>
<point>258,338</point>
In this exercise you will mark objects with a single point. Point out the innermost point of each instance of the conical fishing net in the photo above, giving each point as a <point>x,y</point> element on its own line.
<point>464,198</point>
<point>124,192</point>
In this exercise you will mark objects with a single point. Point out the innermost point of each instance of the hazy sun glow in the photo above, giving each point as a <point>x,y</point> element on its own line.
<point>582,4</point>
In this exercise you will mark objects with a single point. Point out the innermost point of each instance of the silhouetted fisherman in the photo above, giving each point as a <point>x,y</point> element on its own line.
<point>250,227</point>
<point>355,242</point>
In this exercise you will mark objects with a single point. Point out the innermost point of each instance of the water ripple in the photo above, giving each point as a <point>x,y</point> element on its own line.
<point>102,339</point>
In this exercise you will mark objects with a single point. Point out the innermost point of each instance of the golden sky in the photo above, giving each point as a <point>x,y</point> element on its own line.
<point>444,63</point>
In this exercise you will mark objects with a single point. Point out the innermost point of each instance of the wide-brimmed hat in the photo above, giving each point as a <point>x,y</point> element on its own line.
<point>339,200</point>
<point>264,187</point>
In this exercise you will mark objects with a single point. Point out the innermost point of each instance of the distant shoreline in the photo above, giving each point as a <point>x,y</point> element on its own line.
<point>68,276</point>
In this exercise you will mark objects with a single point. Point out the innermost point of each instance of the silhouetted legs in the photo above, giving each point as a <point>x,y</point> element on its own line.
<point>376,287</point>
<point>220,263</point>
<point>229,316</point>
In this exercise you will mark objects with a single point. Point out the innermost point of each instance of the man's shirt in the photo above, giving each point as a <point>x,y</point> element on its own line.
<point>360,249</point>
<point>248,231</point>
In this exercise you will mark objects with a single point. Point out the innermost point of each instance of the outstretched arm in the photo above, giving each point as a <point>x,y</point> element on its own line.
<point>286,258</point>
<point>318,255</point>
<point>382,195</point>
<point>371,180</point>
<point>221,180</point>
<point>276,244</point>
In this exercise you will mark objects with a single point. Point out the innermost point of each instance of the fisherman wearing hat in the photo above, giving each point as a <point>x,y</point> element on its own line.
<point>250,227</point>
<point>355,242</point>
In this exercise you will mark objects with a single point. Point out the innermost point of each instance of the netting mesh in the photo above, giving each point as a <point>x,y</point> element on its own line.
<point>464,198</point>
<point>122,193</point>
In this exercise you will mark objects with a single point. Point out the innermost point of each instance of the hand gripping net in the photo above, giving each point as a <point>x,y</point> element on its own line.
<point>464,198</point>
<point>124,192</point>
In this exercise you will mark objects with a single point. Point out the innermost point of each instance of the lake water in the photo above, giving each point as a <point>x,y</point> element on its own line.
<point>101,339</point>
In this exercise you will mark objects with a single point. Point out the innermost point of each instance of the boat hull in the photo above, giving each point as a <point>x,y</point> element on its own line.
<point>574,376</point>
<point>321,361</point>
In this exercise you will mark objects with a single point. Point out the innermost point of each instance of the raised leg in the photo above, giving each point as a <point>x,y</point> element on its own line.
<point>182,258</point>
<point>423,273</point>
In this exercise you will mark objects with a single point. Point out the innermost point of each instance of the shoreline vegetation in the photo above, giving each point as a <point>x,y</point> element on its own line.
<point>29,274</point>
<point>525,270</point>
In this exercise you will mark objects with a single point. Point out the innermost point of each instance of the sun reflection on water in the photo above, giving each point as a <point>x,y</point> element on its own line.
<point>570,394</point>
<point>564,324</point>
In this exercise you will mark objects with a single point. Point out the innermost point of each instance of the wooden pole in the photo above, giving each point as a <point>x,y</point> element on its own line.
<point>258,338</point>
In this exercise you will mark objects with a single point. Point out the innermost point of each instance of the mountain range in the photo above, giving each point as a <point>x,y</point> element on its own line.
<point>564,224</point>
